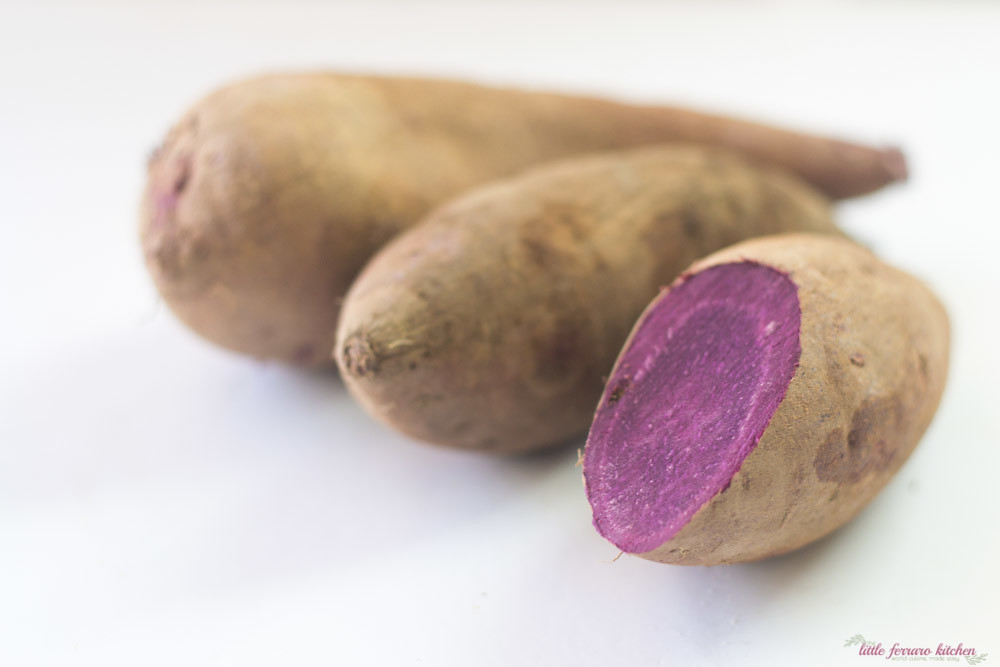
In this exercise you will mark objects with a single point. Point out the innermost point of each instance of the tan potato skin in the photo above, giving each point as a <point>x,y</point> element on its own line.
<point>270,195</point>
<point>491,324</point>
<point>873,366</point>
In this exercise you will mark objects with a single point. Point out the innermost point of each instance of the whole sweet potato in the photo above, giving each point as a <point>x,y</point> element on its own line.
<point>269,195</point>
<point>763,400</point>
<point>491,324</point>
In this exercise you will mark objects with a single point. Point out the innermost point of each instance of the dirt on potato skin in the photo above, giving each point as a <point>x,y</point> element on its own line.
<point>493,323</point>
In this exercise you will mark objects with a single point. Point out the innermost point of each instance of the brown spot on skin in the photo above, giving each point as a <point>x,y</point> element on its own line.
<point>536,250</point>
<point>690,225</point>
<point>667,223</point>
<point>183,175</point>
<point>558,352</point>
<point>200,249</point>
<point>619,390</point>
<point>858,359</point>
<point>922,359</point>
<point>870,446</point>
<point>556,228</point>
<point>558,358</point>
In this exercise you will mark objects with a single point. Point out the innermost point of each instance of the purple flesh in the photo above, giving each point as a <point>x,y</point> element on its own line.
<point>689,399</point>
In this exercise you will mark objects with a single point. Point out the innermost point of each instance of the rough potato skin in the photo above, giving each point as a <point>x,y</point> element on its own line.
<point>269,195</point>
<point>873,366</point>
<point>491,324</point>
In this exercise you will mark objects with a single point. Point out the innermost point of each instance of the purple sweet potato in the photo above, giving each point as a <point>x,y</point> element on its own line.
<point>492,323</point>
<point>269,195</point>
<point>763,400</point>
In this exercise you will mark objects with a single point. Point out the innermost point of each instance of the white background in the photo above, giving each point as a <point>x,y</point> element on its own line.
<point>165,503</point>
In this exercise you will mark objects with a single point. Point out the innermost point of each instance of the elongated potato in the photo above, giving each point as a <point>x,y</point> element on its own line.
<point>763,400</point>
<point>491,324</point>
<point>270,195</point>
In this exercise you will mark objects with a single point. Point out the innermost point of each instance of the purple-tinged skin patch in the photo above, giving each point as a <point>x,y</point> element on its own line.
<point>689,400</point>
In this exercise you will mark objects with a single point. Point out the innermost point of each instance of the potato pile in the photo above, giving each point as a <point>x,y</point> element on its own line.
<point>474,259</point>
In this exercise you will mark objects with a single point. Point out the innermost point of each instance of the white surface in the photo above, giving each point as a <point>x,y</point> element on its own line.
<point>165,503</point>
